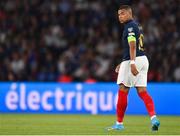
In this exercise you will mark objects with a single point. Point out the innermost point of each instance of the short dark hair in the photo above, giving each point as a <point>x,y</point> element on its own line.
<point>126,7</point>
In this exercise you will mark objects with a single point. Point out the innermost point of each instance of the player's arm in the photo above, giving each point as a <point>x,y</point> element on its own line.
<point>132,49</point>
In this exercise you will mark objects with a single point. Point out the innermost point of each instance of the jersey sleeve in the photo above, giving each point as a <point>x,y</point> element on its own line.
<point>130,31</point>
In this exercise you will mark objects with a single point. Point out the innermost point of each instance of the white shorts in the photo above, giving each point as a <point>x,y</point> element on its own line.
<point>128,79</point>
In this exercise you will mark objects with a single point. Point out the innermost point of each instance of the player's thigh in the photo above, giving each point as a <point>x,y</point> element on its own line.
<point>141,78</point>
<point>142,64</point>
<point>123,75</point>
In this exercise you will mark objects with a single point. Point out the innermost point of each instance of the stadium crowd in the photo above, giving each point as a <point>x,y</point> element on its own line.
<point>80,40</point>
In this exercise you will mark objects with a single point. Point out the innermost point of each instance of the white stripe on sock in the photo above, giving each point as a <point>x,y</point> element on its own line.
<point>153,117</point>
<point>119,123</point>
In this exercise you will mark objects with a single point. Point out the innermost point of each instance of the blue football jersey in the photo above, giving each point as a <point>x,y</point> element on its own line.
<point>132,28</point>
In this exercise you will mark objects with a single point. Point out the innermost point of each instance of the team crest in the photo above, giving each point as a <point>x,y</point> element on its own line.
<point>130,29</point>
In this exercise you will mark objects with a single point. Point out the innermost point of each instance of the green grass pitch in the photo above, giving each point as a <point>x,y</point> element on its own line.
<point>55,124</point>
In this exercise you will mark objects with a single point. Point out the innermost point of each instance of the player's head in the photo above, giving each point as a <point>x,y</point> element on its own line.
<point>124,13</point>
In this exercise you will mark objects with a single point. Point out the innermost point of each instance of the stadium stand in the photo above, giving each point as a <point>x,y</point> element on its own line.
<point>80,40</point>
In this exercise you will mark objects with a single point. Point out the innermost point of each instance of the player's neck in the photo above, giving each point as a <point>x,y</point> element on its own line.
<point>128,20</point>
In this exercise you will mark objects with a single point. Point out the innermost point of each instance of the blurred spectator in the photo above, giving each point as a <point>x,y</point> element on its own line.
<point>80,40</point>
<point>177,73</point>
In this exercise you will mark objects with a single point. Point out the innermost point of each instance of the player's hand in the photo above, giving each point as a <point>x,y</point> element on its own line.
<point>117,68</point>
<point>134,69</point>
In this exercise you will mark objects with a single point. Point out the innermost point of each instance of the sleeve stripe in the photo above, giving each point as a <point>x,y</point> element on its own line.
<point>131,34</point>
<point>131,39</point>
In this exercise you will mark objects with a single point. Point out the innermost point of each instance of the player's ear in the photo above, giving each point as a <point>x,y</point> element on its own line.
<point>130,13</point>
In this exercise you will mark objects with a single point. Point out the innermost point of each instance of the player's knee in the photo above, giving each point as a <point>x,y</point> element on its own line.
<point>141,89</point>
<point>124,88</point>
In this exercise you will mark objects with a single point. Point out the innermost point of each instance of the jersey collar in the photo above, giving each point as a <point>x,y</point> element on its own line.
<point>128,21</point>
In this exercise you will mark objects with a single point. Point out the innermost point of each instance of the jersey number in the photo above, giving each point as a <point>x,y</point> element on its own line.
<point>141,42</point>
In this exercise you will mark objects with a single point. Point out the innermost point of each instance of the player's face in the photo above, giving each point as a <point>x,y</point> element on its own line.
<point>123,15</point>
